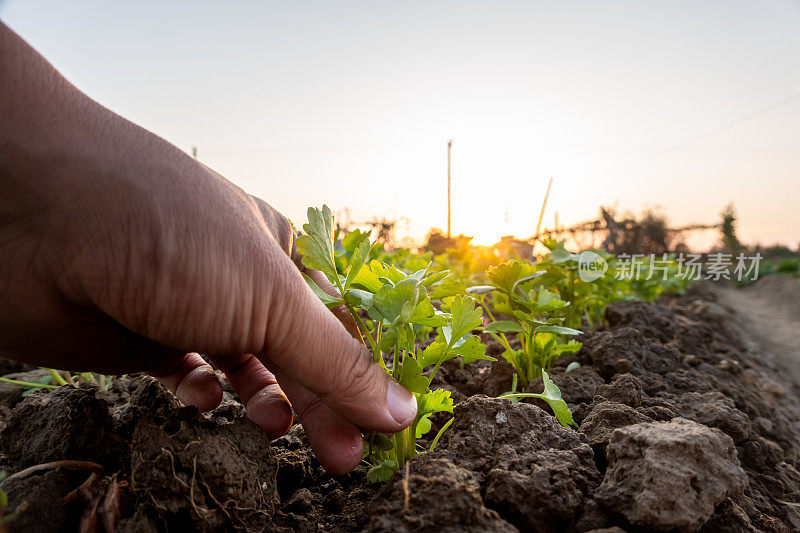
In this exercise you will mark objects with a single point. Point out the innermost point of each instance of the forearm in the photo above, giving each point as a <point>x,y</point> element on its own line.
<point>54,139</point>
<point>36,99</point>
<point>76,180</point>
<point>43,119</point>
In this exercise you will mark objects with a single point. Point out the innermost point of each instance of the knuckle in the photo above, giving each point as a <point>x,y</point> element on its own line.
<point>308,408</point>
<point>278,225</point>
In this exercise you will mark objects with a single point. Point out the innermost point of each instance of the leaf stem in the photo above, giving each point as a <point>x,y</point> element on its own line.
<point>395,365</point>
<point>485,308</point>
<point>57,376</point>
<point>29,384</point>
<point>364,332</point>
<point>362,328</point>
<point>438,364</point>
<point>440,433</point>
<point>502,340</point>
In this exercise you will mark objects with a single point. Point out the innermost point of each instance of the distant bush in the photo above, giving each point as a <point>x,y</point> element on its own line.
<point>788,266</point>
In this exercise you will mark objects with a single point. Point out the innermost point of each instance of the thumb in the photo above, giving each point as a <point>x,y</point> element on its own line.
<point>307,342</point>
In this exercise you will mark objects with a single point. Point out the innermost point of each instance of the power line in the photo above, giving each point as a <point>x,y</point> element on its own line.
<point>277,150</point>
<point>714,131</point>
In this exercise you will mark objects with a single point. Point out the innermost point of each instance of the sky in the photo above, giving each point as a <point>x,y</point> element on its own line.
<point>682,106</point>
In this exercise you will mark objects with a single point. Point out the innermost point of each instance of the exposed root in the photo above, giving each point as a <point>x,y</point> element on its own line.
<point>68,464</point>
<point>191,487</point>
<point>72,495</point>
<point>406,492</point>
<point>172,467</point>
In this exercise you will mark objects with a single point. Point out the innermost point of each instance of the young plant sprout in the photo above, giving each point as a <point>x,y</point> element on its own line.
<point>539,334</point>
<point>393,309</point>
<point>55,379</point>
<point>589,297</point>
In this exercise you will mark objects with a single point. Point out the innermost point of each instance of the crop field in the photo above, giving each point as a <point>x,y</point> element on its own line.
<point>546,402</point>
<point>419,267</point>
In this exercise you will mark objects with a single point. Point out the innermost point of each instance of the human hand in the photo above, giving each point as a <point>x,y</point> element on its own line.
<point>119,253</point>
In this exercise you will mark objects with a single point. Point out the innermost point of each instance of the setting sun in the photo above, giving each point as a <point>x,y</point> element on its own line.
<point>617,110</point>
<point>417,266</point>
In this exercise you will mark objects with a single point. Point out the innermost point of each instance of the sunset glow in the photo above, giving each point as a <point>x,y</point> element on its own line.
<point>352,105</point>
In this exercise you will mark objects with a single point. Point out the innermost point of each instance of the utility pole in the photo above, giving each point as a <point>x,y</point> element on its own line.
<point>194,152</point>
<point>544,204</point>
<point>449,147</point>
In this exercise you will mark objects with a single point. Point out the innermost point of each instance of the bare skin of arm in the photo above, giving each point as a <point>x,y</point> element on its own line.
<point>119,253</point>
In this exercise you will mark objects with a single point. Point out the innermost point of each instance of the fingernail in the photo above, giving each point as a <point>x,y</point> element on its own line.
<point>401,402</point>
<point>271,411</point>
<point>200,388</point>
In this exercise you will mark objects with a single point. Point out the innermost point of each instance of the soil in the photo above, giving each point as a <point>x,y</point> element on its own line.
<point>769,318</point>
<point>687,417</point>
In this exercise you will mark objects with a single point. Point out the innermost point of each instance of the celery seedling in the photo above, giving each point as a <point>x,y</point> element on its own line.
<point>104,382</point>
<point>552,395</point>
<point>4,518</point>
<point>538,332</point>
<point>399,310</point>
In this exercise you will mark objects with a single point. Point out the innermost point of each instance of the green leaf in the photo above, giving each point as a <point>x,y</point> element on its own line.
<point>44,380</point>
<point>366,278</point>
<point>382,472</point>
<point>410,376</point>
<point>551,395</point>
<point>529,277</point>
<point>397,335</point>
<point>397,304</point>
<point>423,426</point>
<point>329,301</point>
<point>389,339</point>
<point>437,320</point>
<point>435,277</point>
<point>560,330</point>
<point>569,348</point>
<point>353,240</point>
<point>560,254</point>
<point>359,258</point>
<point>407,338</point>
<point>317,245</point>
<point>389,272</point>
<point>433,352</point>
<point>470,349</point>
<point>359,298</point>
<point>524,317</point>
<point>545,302</point>
<point>514,357</point>
<point>426,315</point>
<point>504,326</point>
<point>381,442</point>
<point>446,288</point>
<point>465,317</point>
<point>504,276</point>
<point>546,296</point>
<point>436,401</point>
<point>552,305</point>
<point>572,366</point>
<point>421,273</point>
<point>480,289</point>
<point>545,343</point>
